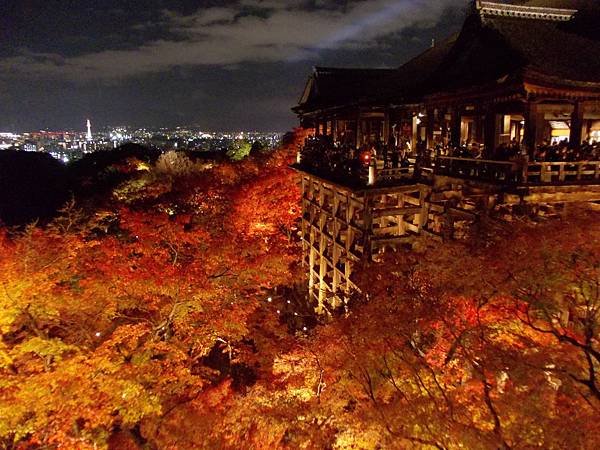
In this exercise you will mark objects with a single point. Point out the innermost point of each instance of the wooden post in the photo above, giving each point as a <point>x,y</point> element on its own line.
<point>455,128</point>
<point>575,136</point>
<point>531,128</point>
<point>424,214</point>
<point>445,129</point>
<point>401,224</point>
<point>429,127</point>
<point>312,237</point>
<point>491,133</point>
<point>322,246</point>
<point>304,224</point>
<point>415,129</point>
<point>334,131</point>
<point>372,173</point>
<point>335,257</point>
<point>349,240</point>
<point>367,226</point>
<point>386,127</point>
<point>479,122</point>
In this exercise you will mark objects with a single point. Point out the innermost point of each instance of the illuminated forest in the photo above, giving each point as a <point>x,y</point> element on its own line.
<point>167,311</point>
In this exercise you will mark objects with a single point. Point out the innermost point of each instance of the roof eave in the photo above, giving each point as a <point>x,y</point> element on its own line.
<point>532,77</point>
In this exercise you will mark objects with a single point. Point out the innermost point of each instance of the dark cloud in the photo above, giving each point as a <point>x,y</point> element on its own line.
<point>246,56</point>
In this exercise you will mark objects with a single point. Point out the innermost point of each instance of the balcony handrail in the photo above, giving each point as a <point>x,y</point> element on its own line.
<point>478,160</point>
<point>394,170</point>
<point>517,171</point>
<point>563,163</point>
<point>479,169</point>
<point>373,175</point>
<point>559,171</point>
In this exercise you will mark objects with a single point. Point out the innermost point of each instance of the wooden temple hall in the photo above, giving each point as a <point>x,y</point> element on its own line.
<point>503,115</point>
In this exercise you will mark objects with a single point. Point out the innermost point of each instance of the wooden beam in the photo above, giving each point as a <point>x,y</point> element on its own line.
<point>399,211</point>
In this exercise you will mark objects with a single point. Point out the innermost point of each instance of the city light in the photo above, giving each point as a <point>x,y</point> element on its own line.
<point>70,145</point>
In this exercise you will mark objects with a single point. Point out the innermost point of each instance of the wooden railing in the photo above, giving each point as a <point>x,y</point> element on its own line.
<point>519,172</point>
<point>584,172</point>
<point>398,173</point>
<point>372,175</point>
<point>478,169</point>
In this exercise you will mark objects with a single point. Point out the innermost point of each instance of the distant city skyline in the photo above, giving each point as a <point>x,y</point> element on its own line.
<point>69,145</point>
<point>82,128</point>
<point>217,64</point>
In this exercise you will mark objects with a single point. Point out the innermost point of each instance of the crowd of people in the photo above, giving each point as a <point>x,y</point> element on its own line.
<point>511,151</point>
<point>396,154</point>
<point>561,151</point>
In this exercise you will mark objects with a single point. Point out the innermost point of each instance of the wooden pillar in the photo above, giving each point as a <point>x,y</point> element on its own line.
<point>367,214</point>
<point>305,207</point>
<point>311,244</point>
<point>334,131</point>
<point>322,246</point>
<point>532,125</point>
<point>576,134</point>
<point>336,248</point>
<point>424,214</point>
<point>386,127</point>
<point>444,126</point>
<point>491,133</point>
<point>349,240</point>
<point>455,127</point>
<point>480,117</point>
<point>358,133</point>
<point>401,223</point>
<point>585,131</point>
<point>429,127</point>
<point>415,130</point>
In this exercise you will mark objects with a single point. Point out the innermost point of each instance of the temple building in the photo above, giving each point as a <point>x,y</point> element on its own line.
<point>505,114</point>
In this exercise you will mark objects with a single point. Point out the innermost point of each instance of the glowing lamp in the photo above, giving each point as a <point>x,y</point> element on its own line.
<point>365,157</point>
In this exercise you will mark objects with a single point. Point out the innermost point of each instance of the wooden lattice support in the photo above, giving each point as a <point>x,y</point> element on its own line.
<point>333,239</point>
<point>342,227</point>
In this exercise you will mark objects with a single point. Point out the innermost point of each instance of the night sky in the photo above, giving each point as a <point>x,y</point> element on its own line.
<point>222,65</point>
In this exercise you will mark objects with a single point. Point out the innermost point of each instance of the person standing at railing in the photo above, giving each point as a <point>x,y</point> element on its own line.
<point>540,154</point>
<point>405,162</point>
<point>395,158</point>
<point>552,153</point>
<point>383,150</point>
<point>476,151</point>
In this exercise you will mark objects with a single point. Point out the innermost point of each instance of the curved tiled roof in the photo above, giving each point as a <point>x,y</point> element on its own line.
<point>335,87</point>
<point>492,49</point>
<point>552,49</point>
<point>513,48</point>
<point>329,86</point>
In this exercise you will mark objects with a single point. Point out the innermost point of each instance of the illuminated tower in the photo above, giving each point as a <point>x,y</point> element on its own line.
<point>88,136</point>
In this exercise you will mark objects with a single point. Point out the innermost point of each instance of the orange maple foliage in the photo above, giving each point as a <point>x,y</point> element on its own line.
<point>159,321</point>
